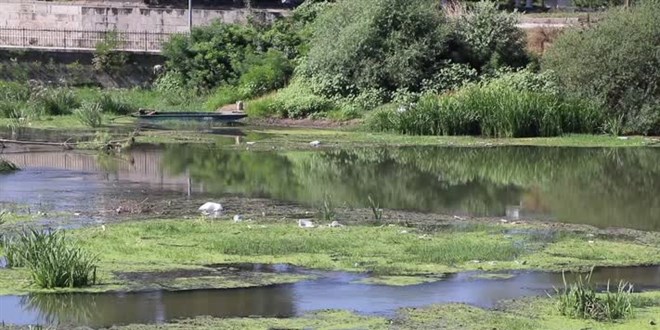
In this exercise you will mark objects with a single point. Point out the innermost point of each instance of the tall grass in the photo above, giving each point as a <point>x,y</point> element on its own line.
<point>490,110</point>
<point>53,261</point>
<point>90,114</point>
<point>55,101</point>
<point>113,104</point>
<point>580,300</point>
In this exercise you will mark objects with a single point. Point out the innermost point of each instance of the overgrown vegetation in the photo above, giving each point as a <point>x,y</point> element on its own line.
<point>7,166</point>
<point>617,64</point>
<point>90,114</point>
<point>580,300</point>
<point>52,260</point>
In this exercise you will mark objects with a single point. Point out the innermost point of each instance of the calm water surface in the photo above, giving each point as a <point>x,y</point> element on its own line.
<point>332,291</point>
<point>615,187</point>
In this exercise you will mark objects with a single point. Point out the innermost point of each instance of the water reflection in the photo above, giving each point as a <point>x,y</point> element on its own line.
<point>334,291</point>
<point>602,187</point>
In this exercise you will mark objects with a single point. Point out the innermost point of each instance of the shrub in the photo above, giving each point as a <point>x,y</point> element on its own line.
<point>616,64</point>
<point>580,300</point>
<point>265,73</point>
<point>55,101</point>
<point>211,55</point>
<point>114,105</point>
<point>451,77</point>
<point>90,114</point>
<point>106,56</point>
<point>53,261</point>
<point>526,80</point>
<point>372,44</point>
<point>13,91</point>
<point>490,37</point>
<point>299,101</point>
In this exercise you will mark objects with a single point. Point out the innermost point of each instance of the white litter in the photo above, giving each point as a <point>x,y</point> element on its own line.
<point>210,208</point>
<point>623,138</point>
<point>335,224</point>
<point>250,143</point>
<point>315,143</point>
<point>305,223</point>
<point>238,218</point>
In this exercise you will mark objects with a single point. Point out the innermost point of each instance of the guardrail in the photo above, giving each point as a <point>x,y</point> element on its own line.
<point>130,41</point>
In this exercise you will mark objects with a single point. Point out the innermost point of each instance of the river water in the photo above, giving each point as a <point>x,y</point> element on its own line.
<point>332,290</point>
<point>616,187</point>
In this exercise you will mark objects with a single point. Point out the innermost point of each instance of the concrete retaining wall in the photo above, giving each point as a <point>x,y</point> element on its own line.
<point>111,16</point>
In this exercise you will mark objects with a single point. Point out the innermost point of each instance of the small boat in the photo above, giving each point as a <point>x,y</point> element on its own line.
<point>195,116</point>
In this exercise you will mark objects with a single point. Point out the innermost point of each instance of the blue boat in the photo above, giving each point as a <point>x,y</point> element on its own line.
<point>188,116</point>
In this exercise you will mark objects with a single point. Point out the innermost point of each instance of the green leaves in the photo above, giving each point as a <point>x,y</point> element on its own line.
<point>616,63</point>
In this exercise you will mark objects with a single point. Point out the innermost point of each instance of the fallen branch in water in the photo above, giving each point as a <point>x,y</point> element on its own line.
<point>65,144</point>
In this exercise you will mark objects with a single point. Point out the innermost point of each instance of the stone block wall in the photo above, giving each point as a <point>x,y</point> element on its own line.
<point>114,15</point>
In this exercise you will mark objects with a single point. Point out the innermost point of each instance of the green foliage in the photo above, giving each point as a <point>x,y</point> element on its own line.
<point>7,166</point>
<point>110,103</point>
<point>90,114</point>
<point>359,46</point>
<point>580,300</point>
<point>211,55</point>
<point>53,261</point>
<point>616,63</point>
<point>106,56</point>
<point>265,73</point>
<point>299,101</point>
<point>54,101</point>
<point>226,94</point>
<point>262,74</point>
<point>492,109</point>
<point>595,4</point>
<point>12,91</point>
<point>261,107</point>
<point>327,209</point>
<point>450,77</point>
<point>490,37</point>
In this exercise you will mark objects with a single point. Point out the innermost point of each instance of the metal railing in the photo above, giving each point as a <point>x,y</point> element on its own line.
<point>131,41</point>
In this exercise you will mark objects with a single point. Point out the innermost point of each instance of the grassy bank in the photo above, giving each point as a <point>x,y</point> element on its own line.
<point>166,245</point>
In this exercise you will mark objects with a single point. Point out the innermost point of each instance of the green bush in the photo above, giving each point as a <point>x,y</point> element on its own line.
<point>53,261</point>
<point>265,73</point>
<point>106,57</point>
<point>616,63</point>
<point>90,114</point>
<point>299,101</point>
<point>490,110</point>
<point>359,46</point>
<point>55,101</point>
<point>490,37</point>
<point>13,91</point>
<point>113,104</point>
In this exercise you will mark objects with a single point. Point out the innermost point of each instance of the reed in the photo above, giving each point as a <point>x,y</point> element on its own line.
<point>53,261</point>
<point>491,110</point>
<point>90,114</point>
<point>580,300</point>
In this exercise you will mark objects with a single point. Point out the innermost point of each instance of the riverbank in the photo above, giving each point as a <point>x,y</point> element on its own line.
<point>292,137</point>
<point>175,253</point>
